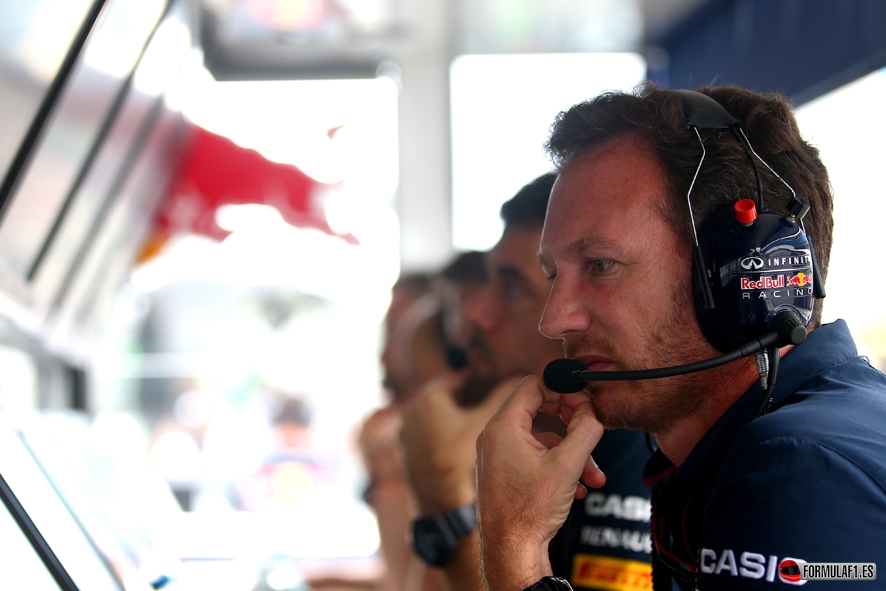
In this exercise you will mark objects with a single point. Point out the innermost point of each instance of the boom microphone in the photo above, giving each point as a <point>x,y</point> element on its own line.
<point>570,375</point>
<point>456,357</point>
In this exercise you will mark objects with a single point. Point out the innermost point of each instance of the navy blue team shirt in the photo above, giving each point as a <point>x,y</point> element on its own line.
<point>806,481</point>
<point>605,542</point>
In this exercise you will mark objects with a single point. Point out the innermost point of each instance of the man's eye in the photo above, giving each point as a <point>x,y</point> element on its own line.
<point>512,290</point>
<point>599,266</point>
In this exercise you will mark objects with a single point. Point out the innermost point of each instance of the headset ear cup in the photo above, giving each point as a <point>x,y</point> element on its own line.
<point>702,280</point>
<point>708,309</point>
<point>756,271</point>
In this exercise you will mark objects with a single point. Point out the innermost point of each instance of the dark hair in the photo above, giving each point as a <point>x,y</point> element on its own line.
<point>419,283</point>
<point>529,205</point>
<point>466,267</point>
<point>726,176</point>
<point>293,410</point>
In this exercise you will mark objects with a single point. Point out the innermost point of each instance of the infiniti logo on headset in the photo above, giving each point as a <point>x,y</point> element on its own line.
<point>751,263</point>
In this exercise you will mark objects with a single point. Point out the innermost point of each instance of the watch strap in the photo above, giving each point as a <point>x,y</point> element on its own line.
<point>461,522</point>
<point>550,584</point>
<point>436,538</point>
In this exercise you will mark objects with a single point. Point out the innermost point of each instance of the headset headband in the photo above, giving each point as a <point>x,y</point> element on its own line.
<point>703,112</point>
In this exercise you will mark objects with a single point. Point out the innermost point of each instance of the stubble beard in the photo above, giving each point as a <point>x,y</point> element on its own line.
<point>482,374</point>
<point>655,405</point>
<point>474,390</point>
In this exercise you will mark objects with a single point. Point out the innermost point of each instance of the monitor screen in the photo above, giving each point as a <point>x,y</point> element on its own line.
<point>34,40</point>
<point>74,549</point>
<point>20,563</point>
<point>64,249</point>
<point>80,120</point>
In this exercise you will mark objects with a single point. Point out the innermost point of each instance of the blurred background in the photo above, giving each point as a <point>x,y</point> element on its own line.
<point>205,204</point>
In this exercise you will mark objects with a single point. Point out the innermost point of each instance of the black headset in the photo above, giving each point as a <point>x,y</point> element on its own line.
<point>751,264</point>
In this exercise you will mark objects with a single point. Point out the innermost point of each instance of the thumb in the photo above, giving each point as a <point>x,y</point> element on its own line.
<point>444,384</point>
<point>582,435</point>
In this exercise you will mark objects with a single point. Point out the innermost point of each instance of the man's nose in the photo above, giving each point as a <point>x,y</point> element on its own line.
<point>481,310</point>
<point>564,314</point>
<point>386,357</point>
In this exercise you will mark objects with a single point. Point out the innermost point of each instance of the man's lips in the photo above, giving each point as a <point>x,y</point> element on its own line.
<point>596,362</point>
<point>477,356</point>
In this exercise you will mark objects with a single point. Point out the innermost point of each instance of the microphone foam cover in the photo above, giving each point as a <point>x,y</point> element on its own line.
<point>558,376</point>
<point>456,357</point>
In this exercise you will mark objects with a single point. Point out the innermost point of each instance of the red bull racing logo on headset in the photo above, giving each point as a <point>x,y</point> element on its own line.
<point>773,277</point>
<point>798,280</point>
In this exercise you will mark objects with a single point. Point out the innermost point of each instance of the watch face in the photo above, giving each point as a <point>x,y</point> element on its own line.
<point>430,543</point>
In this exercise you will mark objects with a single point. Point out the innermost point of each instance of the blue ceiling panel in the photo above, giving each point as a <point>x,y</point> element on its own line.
<point>802,48</point>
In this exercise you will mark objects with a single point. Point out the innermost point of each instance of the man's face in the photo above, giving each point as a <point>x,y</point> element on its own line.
<point>504,314</point>
<point>457,299</point>
<point>397,336</point>
<point>621,284</point>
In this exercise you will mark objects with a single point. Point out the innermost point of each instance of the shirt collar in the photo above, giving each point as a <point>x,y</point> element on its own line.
<point>824,348</point>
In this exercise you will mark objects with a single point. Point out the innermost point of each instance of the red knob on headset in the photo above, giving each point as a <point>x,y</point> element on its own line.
<point>745,211</point>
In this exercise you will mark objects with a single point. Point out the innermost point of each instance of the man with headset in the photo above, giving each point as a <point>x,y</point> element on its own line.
<point>607,534</point>
<point>762,462</point>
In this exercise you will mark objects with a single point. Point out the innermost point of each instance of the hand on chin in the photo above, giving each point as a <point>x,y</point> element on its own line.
<point>568,403</point>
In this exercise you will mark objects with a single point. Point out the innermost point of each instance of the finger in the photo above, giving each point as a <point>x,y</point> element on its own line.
<point>583,433</point>
<point>592,475</point>
<point>569,402</point>
<point>548,439</point>
<point>530,396</point>
<point>551,408</point>
<point>523,404</point>
<point>565,413</point>
<point>581,491</point>
<point>514,416</point>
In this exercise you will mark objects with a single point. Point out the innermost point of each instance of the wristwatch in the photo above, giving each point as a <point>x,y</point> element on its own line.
<point>436,538</point>
<point>550,584</point>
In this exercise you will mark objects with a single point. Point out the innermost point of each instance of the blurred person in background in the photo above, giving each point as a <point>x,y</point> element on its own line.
<point>458,284</point>
<point>422,324</point>
<point>386,491</point>
<point>442,424</point>
<point>290,474</point>
<point>176,446</point>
